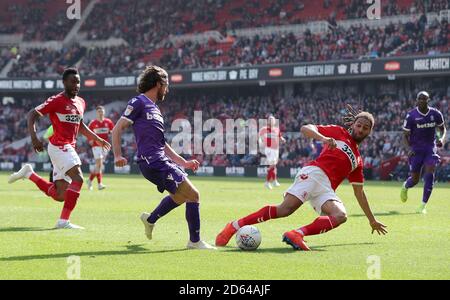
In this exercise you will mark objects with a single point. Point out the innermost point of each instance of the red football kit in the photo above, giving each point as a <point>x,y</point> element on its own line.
<point>344,161</point>
<point>102,129</point>
<point>270,136</point>
<point>65,115</point>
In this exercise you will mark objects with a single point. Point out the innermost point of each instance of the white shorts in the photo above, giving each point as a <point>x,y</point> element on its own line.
<point>63,159</point>
<point>99,152</point>
<point>312,184</point>
<point>271,156</point>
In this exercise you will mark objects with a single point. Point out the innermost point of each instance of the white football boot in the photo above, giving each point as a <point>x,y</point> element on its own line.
<point>101,186</point>
<point>276,183</point>
<point>24,172</point>
<point>148,227</point>
<point>65,224</point>
<point>268,185</point>
<point>201,245</point>
<point>89,184</point>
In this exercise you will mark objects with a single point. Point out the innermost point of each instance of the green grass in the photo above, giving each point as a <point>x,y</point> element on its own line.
<point>114,246</point>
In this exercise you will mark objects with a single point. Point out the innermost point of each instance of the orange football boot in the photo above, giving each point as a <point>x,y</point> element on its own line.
<point>295,239</point>
<point>225,235</point>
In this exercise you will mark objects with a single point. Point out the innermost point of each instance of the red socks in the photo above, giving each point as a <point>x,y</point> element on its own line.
<point>264,214</point>
<point>92,176</point>
<point>271,175</point>
<point>48,188</point>
<point>98,175</point>
<point>70,199</point>
<point>320,225</point>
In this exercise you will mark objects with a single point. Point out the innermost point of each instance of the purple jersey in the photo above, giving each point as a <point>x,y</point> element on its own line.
<point>148,126</point>
<point>423,128</point>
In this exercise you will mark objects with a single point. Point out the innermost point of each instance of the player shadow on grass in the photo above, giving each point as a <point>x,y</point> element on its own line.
<point>386,214</point>
<point>24,229</point>
<point>131,250</point>
<point>288,249</point>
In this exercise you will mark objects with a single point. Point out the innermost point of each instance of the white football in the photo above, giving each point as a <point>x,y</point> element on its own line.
<point>248,238</point>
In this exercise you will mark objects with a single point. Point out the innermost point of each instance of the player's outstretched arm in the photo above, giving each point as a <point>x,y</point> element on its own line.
<point>90,135</point>
<point>441,138</point>
<point>379,227</point>
<point>117,131</point>
<point>190,164</point>
<point>310,131</point>
<point>33,115</point>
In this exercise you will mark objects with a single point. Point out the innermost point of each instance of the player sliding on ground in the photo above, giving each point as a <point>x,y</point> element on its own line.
<point>317,183</point>
<point>66,115</point>
<point>420,137</point>
<point>157,161</point>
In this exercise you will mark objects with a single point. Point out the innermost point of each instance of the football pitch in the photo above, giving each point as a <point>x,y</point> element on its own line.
<point>114,246</point>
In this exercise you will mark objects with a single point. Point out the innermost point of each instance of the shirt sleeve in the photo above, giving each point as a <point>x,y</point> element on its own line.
<point>357,176</point>
<point>408,124</point>
<point>439,118</point>
<point>133,110</point>
<point>332,131</point>
<point>47,107</point>
<point>111,125</point>
<point>91,127</point>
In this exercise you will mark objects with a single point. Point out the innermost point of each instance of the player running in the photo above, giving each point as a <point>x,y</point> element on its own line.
<point>317,183</point>
<point>269,137</point>
<point>102,127</point>
<point>65,111</point>
<point>420,138</point>
<point>158,162</point>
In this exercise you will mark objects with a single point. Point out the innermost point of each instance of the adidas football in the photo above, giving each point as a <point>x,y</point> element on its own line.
<point>248,238</point>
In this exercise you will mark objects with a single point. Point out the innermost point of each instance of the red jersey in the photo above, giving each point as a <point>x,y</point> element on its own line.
<point>342,162</point>
<point>65,115</point>
<point>270,136</point>
<point>101,128</point>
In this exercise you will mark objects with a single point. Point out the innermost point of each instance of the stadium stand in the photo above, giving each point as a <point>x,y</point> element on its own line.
<point>147,39</point>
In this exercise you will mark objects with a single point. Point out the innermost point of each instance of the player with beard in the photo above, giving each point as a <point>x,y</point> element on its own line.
<point>158,162</point>
<point>317,182</point>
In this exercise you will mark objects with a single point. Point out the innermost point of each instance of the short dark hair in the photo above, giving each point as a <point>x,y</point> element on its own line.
<point>150,77</point>
<point>100,107</point>
<point>68,72</point>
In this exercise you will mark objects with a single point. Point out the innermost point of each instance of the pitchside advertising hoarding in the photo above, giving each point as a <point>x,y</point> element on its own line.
<point>345,69</point>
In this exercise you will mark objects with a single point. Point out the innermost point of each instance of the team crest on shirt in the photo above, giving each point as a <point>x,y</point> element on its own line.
<point>303,176</point>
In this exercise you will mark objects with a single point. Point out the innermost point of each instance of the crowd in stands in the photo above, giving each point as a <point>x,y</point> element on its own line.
<point>384,144</point>
<point>37,20</point>
<point>147,30</point>
<point>45,62</point>
<point>339,43</point>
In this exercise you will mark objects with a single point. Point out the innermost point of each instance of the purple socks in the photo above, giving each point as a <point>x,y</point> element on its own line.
<point>166,205</point>
<point>193,219</point>
<point>428,178</point>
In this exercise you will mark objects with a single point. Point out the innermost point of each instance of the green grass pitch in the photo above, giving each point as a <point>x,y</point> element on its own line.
<point>113,246</point>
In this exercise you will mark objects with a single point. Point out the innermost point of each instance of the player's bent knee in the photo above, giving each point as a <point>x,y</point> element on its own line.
<point>194,196</point>
<point>340,217</point>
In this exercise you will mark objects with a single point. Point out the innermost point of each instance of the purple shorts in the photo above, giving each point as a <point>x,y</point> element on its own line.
<point>423,157</point>
<point>164,174</point>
